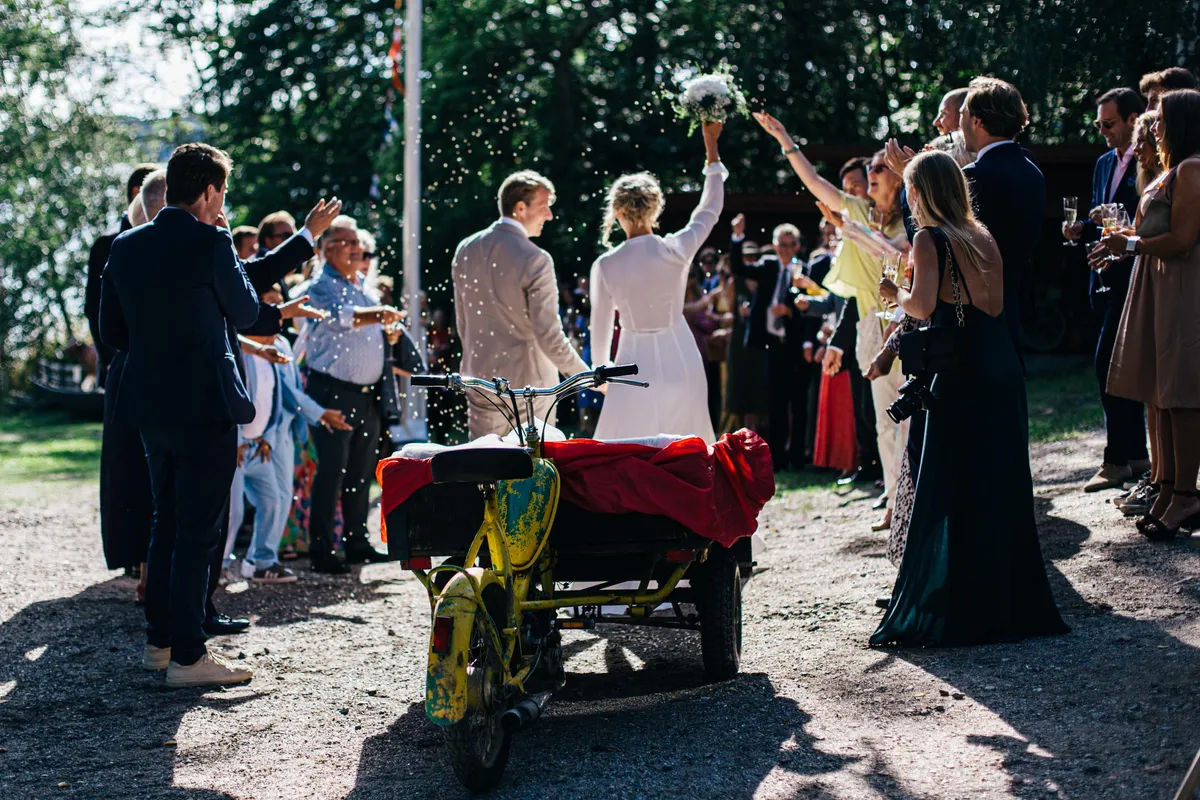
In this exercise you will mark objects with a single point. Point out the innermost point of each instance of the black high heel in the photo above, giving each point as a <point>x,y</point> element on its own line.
<point>1157,531</point>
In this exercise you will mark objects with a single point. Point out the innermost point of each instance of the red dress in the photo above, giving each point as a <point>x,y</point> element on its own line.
<point>836,444</point>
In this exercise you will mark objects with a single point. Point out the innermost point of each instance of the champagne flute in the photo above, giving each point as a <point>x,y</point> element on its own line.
<point>1109,219</point>
<point>1070,215</point>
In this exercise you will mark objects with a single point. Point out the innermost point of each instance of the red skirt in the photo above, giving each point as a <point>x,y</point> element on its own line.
<point>836,444</point>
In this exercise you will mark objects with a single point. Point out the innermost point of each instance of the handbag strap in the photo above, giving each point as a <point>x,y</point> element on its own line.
<point>958,281</point>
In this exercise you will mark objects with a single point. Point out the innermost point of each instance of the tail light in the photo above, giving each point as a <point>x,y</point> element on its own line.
<point>681,556</point>
<point>442,628</point>
<point>417,563</point>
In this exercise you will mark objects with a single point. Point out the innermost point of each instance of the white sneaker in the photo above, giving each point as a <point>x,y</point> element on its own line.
<point>210,670</point>
<point>155,658</point>
<point>247,569</point>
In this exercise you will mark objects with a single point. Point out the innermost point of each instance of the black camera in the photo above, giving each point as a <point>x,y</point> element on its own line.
<point>915,394</point>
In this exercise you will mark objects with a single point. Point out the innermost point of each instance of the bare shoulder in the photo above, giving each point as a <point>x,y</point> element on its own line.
<point>1188,171</point>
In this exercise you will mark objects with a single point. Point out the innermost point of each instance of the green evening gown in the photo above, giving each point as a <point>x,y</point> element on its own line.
<point>972,570</point>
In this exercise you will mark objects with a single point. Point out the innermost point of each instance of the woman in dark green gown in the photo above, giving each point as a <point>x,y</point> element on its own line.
<point>972,570</point>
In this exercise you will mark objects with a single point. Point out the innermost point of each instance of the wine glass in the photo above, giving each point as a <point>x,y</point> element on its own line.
<point>891,270</point>
<point>1070,215</point>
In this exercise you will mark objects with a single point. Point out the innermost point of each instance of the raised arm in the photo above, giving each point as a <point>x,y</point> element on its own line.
<point>922,299</point>
<point>601,324</point>
<point>541,303</point>
<point>687,242</point>
<point>822,189</point>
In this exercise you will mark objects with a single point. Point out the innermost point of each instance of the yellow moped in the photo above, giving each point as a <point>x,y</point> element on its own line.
<point>512,551</point>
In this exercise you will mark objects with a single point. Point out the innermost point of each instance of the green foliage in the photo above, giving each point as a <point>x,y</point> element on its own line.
<point>57,153</point>
<point>296,91</point>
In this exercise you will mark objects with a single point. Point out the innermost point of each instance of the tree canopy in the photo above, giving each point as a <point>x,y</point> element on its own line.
<point>296,91</point>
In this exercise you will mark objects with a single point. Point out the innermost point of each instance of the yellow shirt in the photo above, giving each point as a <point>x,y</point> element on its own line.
<point>855,272</point>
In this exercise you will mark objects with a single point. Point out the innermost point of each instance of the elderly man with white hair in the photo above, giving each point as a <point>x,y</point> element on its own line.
<point>346,354</point>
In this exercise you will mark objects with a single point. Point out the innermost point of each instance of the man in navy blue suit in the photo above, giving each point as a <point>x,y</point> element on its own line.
<point>1008,190</point>
<point>172,293</point>
<point>1114,180</point>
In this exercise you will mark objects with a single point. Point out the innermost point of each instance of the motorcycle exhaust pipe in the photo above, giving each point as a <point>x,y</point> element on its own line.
<point>524,713</point>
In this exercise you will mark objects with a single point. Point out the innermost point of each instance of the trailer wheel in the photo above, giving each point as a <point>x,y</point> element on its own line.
<point>720,599</point>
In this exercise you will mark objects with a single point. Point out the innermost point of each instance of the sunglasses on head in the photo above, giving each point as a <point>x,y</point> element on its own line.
<point>875,169</point>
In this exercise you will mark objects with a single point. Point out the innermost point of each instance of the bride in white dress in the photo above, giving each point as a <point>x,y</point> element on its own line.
<point>644,279</point>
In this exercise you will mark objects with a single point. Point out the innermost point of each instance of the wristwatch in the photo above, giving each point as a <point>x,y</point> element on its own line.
<point>1131,244</point>
<point>795,148</point>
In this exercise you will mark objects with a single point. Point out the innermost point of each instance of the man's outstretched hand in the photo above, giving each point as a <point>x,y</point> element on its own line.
<point>322,215</point>
<point>300,308</point>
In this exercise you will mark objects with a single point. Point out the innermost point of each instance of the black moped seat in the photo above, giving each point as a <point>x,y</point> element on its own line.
<point>481,465</point>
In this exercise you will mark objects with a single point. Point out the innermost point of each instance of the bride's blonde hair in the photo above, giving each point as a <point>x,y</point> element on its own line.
<point>638,198</point>
<point>938,196</point>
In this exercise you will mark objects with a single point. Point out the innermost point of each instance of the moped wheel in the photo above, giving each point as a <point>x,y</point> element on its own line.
<point>720,599</point>
<point>477,744</point>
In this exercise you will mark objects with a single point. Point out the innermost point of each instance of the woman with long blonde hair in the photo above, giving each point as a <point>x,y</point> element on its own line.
<point>972,568</point>
<point>644,279</point>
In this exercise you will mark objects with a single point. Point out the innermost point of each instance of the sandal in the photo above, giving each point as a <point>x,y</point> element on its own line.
<point>1157,531</point>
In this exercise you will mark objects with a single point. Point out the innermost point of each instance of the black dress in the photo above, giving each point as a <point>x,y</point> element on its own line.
<point>972,570</point>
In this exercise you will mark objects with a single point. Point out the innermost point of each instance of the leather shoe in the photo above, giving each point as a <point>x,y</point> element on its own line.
<point>221,625</point>
<point>330,565</point>
<point>364,554</point>
<point>1109,476</point>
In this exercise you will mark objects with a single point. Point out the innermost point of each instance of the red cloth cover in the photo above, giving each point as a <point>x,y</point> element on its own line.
<point>715,491</point>
<point>836,443</point>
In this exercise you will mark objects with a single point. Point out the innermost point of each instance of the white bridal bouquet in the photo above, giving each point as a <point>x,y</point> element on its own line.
<point>710,97</point>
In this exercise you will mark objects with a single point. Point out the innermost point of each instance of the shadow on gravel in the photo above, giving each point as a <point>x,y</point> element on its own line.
<point>77,709</point>
<point>658,730</point>
<point>1068,698</point>
<point>289,603</point>
<point>718,740</point>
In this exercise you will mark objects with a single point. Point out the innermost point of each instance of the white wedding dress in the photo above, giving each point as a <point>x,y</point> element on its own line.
<point>644,279</point>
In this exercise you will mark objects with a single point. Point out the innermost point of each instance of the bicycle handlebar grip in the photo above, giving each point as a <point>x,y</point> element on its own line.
<point>439,381</point>
<point>617,371</point>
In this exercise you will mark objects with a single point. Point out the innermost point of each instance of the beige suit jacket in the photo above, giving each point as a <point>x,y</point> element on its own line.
<point>506,306</point>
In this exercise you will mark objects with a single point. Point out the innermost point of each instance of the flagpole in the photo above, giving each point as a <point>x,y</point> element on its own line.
<point>416,404</point>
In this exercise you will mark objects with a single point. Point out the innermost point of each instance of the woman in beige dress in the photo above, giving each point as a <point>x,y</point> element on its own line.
<point>1156,360</point>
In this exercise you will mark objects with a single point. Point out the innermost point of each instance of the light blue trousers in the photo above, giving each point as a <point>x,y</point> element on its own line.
<point>259,481</point>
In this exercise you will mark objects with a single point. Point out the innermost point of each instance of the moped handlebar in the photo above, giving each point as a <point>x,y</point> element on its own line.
<point>616,371</point>
<point>500,386</point>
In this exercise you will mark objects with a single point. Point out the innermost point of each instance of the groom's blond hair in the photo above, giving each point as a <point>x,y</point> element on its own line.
<point>522,187</point>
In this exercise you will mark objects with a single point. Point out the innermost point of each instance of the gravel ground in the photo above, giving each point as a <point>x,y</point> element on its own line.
<point>335,708</point>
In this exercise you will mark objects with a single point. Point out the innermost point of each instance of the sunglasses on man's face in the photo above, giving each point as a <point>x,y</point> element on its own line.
<point>1104,124</point>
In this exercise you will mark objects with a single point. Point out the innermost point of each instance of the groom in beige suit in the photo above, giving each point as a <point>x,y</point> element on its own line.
<point>506,304</point>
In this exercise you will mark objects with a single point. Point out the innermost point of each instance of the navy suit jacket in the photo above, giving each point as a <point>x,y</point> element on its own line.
<point>171,295</point>
<point>1009,194</point>
<point>765,273</point>
<point>1116,277</point>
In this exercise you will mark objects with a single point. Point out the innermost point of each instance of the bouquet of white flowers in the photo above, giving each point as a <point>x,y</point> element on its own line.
<point>710,97</point>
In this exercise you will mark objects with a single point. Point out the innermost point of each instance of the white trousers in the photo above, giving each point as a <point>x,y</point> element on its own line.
<point>891,437</point>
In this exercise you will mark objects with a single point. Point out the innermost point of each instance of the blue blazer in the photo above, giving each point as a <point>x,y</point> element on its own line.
<point>1009,194</point>
<point>171,295</point>
<point>1116,277</point>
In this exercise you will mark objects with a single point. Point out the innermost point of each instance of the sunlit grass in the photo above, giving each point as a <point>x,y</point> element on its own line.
<point>37,447</point>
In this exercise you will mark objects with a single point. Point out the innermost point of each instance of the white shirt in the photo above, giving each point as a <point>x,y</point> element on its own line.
<point>515,224</point>
<point>264,393</point>
<point>979,155</point>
